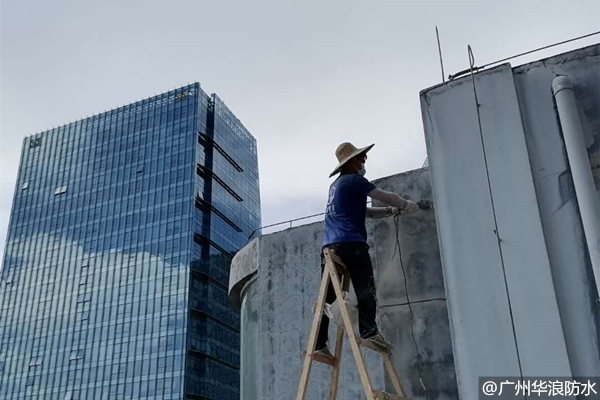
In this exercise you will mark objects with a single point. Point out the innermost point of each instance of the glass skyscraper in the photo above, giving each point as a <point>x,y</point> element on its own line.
<point>115,273</point>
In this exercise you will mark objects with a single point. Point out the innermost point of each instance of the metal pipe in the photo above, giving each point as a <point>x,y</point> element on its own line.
<point>587,197</point>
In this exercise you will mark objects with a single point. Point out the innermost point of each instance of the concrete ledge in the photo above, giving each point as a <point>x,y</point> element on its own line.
<point>243,267</point>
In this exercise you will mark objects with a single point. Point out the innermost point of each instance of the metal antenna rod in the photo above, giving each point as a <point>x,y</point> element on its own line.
<point>437,34</point>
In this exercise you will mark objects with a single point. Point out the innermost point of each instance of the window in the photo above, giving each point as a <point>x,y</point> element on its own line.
<point>60,190</point>
<point>35,142</point>
<point>25,186</point>
<point>34,361</point>
<point>181,96</point>
<point>76,355</point>
<point>84,316</point>
<point>84,297</point>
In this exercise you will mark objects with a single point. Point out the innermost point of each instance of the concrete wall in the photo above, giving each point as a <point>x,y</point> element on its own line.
<point>286,287</point>
<point>520,298</point>
<point>563,232</point>
<point>286,266</point>
<point>420,330</point>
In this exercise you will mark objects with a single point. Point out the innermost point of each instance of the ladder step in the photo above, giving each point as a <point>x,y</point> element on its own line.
<point>386,396</point>
<point>321,359</point>
<point>372,346</point>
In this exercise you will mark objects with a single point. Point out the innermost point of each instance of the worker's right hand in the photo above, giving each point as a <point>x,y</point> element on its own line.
<point>410,208</point>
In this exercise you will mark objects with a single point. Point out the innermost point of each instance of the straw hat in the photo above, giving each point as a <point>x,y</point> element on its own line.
<point>345,152</point>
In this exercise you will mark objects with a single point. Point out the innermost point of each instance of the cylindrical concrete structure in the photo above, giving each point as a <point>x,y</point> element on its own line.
<point>587,197</point>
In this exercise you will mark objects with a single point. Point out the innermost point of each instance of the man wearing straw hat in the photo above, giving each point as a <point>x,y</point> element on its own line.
<point>346,234</point>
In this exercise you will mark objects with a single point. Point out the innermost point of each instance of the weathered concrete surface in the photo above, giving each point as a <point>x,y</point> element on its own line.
<point>483,319</point>
<point>559,213</point>
<point>248,341</point>
<point>288,281</point>
<point>499,291</point>
<point>427,357</point>
<point>243,267</point>
<point>287,284</point>
<point>523,249</point>
<point>512,303</point>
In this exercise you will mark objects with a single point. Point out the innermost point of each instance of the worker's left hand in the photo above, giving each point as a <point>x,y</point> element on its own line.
<point>394,211</point>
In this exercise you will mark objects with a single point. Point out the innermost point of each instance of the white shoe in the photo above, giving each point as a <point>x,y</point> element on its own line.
<point>379,341</point>
<point>324,352</point>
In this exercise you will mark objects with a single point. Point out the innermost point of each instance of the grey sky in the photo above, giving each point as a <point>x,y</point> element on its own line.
<point>302,76</point>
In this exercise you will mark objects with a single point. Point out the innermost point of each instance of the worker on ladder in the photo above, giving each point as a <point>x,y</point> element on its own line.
<point>346,235</point>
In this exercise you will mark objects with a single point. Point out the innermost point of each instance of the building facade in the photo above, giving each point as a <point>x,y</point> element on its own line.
<point>523,278</point>
<point>114,278</point>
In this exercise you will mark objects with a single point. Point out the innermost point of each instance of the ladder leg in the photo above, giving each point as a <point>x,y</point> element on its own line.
<point>339,345</point>
<point>312,338</point>
<point>389,366</point>
<point>360,362</point>
<point>335,374</point>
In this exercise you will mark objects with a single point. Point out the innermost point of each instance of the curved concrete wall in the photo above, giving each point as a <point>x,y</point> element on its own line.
<point>243,267</point>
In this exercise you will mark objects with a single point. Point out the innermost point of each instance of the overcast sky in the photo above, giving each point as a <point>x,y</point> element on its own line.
<point>303,76</point>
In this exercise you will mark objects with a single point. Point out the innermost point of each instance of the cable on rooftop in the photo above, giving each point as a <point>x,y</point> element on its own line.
<point>475,68</point>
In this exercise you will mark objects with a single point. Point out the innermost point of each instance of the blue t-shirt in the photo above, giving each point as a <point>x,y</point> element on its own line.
<point>346,209</point>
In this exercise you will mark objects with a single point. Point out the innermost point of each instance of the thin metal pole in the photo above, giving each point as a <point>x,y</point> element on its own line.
<point>437,34</point>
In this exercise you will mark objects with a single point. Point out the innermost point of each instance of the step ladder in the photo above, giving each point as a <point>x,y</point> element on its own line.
<point>333,267</point>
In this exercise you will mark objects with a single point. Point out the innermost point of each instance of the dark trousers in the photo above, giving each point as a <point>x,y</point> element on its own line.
<point>355,255</point>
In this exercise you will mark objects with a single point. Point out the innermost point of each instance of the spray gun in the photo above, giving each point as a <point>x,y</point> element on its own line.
<point>425,204</point>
